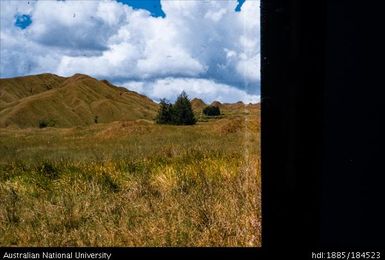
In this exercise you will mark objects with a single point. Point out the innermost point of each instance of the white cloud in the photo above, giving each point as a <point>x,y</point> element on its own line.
<point>249,67</point>
<point>74,25</point>
<point>106,39</point>
<point>206,89</point>
<point>216,16</point>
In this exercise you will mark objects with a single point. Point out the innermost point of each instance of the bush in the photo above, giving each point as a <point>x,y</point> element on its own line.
<point>211,111</point>
<point>48,170</point>
<point>180,113</point>
<point>46,123</point>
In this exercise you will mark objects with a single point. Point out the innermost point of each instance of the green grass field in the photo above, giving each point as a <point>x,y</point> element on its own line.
<point>132,183</point>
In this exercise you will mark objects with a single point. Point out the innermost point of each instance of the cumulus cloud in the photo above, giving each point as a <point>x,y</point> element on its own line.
<point>75,25</point>
<point>206,89</point>
<point>198,45</point>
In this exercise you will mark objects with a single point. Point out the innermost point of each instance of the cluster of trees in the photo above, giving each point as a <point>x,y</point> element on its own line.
<point>179,113</point>
<point>211,111</point>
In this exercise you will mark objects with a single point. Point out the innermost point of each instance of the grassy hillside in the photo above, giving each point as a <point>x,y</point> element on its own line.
<point>133,183</point>
<point>13,89</point>
<point>74,101</point>
<point>197,105</point>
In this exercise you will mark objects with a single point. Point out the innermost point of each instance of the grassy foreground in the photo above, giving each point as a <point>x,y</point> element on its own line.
<point>132,183</point>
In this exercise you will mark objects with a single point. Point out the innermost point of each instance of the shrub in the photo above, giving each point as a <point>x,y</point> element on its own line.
<point>211,111</point>
<point>48,170</point>
<point>46,123</point>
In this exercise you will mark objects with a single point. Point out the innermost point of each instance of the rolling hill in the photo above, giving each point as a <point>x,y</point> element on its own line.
<point>81,100</point>
<point>72,101</point>
<point>13,89</point>
<point>197,104</point>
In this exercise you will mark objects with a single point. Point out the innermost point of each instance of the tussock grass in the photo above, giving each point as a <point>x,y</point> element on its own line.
<point>132,184</point>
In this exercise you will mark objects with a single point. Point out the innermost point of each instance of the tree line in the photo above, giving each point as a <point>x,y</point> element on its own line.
<point>181,112</point>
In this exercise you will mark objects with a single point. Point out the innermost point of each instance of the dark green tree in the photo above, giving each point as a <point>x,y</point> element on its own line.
<point>182,111</point>
<point>165,112</point>
<point>211,111</point>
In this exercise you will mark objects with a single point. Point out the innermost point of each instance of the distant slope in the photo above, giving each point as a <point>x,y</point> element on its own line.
<point>197,105</point>
<point>236,108</point>
<point>72,101</point>
<point>216,104</point>
<point>13,89</point>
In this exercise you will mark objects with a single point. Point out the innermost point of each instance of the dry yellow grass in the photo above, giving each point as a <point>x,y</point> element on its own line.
<point>133,183</point>
<point>209,203</point>
<point>73,101</point>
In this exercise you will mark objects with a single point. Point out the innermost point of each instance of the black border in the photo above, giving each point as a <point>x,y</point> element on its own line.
<point>352,194</point>
<point>144,252</point>
<point>292,69</point>
<point>322,130</point>
<point>322,155</point>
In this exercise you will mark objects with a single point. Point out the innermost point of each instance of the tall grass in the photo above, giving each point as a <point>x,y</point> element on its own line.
<point>111,186</point>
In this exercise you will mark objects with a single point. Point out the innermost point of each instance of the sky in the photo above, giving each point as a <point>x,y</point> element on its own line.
<point>208,48</point>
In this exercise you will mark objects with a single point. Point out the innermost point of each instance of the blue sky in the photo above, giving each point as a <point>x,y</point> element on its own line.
<point>153,6</point>
<point>210,49</point>
<point>22,21</point>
